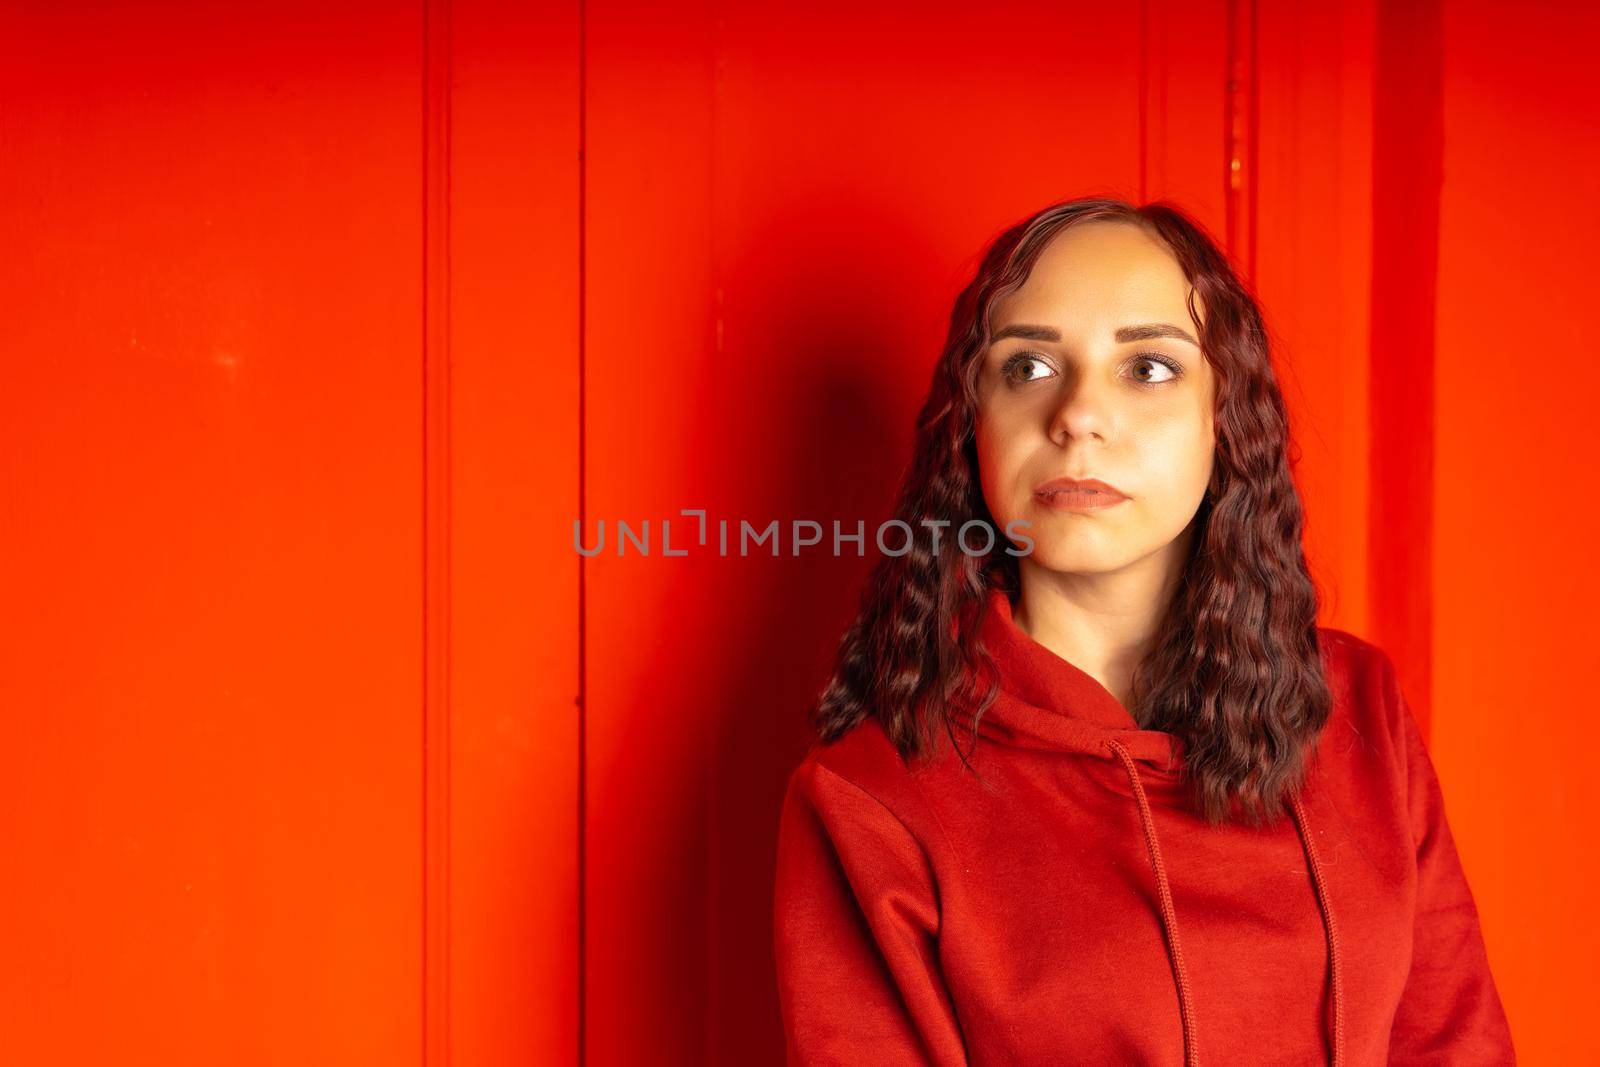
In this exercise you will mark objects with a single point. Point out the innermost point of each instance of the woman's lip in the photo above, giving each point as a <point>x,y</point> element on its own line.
<point>1079,499</point>
<point>1071,494</point>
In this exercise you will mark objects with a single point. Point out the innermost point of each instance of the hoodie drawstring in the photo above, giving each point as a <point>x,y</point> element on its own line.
<point>1169,917</point>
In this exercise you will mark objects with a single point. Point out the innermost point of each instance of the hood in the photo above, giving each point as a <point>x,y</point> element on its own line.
<point>1044,702</point>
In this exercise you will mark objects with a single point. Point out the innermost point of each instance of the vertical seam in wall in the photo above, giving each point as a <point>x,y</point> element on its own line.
<point>1253,139</point>
<point>436,523</point>
<point>1407,179</point>
<point>1230,133</point>
<point>583,480</point>
<point>1241,118</point>
<point>712,904</point>
<point>1144,100</point>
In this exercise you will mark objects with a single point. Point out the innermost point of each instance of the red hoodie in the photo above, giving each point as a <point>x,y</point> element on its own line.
<point>1069,908</point>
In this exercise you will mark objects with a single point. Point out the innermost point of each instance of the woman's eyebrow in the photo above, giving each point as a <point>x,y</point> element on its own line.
<point>1151,330</point>
<point>1029,333</point>
<point>1146,332</point>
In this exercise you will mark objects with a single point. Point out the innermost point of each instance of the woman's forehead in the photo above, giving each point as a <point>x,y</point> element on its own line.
<point>1097,277</point>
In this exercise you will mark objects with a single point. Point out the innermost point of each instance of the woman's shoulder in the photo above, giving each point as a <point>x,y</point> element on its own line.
<point>1349,659</point>
<point>1364,683</point>
<point>866,760</point>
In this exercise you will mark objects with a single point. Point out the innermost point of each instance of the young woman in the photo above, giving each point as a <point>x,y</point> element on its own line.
<point>1097,788</point>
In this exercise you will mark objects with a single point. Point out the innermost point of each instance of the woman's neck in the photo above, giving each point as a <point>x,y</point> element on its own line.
<point>1103,624</point>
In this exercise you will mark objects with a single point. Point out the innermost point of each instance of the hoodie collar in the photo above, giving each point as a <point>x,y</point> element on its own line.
<point>1045,702</point>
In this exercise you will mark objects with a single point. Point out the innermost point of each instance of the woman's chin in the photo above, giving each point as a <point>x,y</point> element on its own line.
<point>1079,563</point>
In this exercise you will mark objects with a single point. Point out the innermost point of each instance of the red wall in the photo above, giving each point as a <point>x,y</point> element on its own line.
<point>326,322</point>
<point>1515,501</point>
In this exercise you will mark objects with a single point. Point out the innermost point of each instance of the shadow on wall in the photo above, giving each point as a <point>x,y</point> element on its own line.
<point>838,434</point>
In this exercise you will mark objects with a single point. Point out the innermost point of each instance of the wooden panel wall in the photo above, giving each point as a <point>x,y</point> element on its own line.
<point>1514,500</point>
<point>326,324</point>
<point>212,456</point>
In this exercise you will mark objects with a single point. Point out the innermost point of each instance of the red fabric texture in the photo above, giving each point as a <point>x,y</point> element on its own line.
<point>1069,908</point>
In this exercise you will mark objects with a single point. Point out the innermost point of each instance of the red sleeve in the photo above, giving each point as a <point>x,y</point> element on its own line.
<point>856,927</point>
<point>1450,1011</point>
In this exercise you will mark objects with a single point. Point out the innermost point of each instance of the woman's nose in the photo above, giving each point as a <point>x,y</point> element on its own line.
<point>1081,411</point>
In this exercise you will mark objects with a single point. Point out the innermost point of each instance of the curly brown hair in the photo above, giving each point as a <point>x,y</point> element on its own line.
<point>1236,669</point>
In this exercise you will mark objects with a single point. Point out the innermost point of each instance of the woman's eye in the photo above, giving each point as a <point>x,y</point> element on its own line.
<point>1026,369</point>
<point>1163,369</point>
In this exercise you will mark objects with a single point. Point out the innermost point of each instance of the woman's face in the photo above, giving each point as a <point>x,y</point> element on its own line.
<point>1095,371</point>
